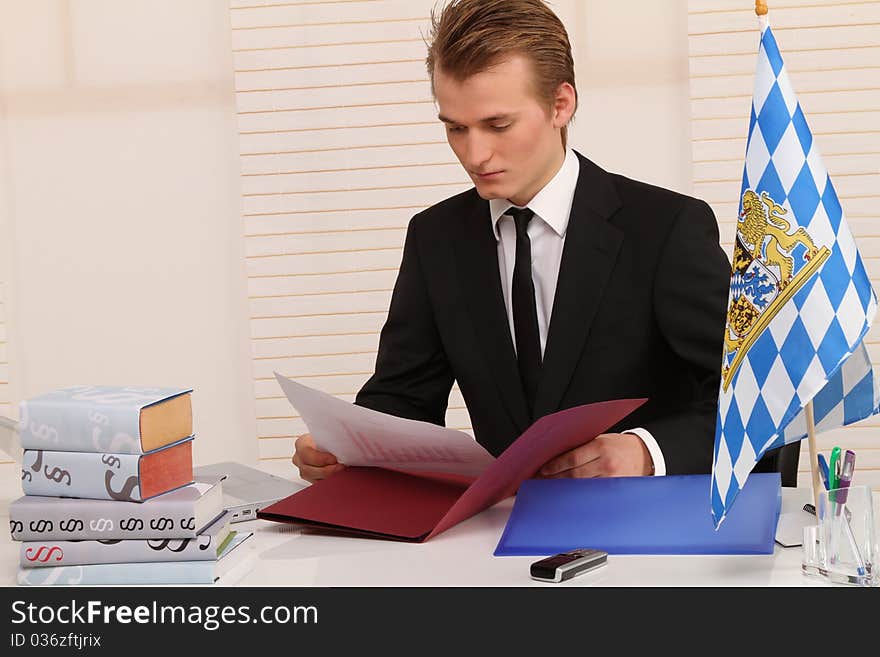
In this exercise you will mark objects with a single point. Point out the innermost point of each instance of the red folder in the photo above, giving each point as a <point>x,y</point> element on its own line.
<point>414,507</point>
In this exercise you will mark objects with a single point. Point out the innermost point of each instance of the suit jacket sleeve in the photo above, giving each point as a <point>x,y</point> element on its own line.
<point>412,378</point>
<point>690,299</point>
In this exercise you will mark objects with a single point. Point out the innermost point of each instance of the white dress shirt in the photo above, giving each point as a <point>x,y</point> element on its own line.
<point>552,207</point>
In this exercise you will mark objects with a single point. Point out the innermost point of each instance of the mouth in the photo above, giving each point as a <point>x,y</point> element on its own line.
<point>491,175</point>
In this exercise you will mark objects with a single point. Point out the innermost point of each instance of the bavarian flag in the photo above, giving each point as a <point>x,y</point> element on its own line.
<point>800,299</point>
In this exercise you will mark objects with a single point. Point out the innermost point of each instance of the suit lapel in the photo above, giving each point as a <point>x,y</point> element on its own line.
<point>477,257</point>
<point>588,257</point>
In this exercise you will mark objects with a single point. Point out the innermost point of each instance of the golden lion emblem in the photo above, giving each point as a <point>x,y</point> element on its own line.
<point>756,223</point>
<point>763,241</point>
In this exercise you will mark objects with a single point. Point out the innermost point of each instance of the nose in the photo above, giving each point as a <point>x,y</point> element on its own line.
<point>478,150</point>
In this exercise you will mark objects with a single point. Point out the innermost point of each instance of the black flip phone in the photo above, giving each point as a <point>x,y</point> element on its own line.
<point>566,565</point>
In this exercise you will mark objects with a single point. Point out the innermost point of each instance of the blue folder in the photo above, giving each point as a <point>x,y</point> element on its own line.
<point>640,515</point>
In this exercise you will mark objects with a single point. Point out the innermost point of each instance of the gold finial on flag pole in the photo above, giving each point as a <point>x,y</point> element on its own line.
<point>760,7</point>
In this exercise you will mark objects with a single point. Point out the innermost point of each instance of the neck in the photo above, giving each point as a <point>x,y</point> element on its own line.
<point>523,198</point>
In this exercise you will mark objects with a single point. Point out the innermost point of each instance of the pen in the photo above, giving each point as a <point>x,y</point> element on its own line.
<point>823,470</point>
<point>832,518</point>
<point>834,469</point>
<point>846,475</point>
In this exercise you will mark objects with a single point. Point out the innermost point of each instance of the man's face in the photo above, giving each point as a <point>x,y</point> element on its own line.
<point>507,140</point>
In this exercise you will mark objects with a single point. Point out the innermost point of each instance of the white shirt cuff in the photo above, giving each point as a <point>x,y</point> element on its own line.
<point>653,450</point>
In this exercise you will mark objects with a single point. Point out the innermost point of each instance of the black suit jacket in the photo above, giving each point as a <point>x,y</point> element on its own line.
<point>639,311</point>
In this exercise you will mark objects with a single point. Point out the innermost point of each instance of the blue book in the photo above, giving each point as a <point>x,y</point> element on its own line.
<point>640,515</point>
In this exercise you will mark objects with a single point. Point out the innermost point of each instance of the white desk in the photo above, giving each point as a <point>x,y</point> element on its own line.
<point>290,555</point>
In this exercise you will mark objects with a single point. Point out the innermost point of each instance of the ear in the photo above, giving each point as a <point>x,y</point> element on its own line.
<point>564,104</point>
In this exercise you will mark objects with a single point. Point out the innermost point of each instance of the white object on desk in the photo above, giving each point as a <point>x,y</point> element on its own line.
<point>790,529</point>
<point>246,490</point>
<point>793,518</point>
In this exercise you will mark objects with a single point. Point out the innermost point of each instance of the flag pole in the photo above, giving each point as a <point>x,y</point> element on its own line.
<point>814,454</point>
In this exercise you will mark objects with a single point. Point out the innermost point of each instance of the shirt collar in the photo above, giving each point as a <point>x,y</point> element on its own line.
<point>552,204</point>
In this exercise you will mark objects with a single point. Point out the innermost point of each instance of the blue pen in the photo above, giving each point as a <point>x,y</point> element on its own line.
<point>823,470</point>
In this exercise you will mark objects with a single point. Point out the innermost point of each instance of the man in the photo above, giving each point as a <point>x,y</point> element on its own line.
<point>552,283</point>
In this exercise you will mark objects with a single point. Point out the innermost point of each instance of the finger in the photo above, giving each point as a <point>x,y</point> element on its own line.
<point>313,458</point>
<point>309,454</point>
<point>571,459</point>
<point>313,464</point>
<point>313,474</point>
<point>305,440</point>
<point>316,457</point>
<point>299,444</point>
<point>594,468</point>
<point>307,470</point>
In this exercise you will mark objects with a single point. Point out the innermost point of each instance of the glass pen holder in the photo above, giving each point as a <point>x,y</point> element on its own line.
<point>842,547</point>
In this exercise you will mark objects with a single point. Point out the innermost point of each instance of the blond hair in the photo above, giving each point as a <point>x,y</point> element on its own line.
<point>470,36</point>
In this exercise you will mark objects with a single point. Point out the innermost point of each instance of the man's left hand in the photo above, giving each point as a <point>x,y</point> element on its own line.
<point>607,455</point>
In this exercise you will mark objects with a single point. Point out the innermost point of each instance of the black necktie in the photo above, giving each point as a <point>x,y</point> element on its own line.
<point>525,312</point>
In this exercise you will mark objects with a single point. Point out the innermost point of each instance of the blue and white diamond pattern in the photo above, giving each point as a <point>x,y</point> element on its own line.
<point>812,348</point>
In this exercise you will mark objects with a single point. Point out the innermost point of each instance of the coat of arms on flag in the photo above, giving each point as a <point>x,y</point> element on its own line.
<point>800,298</point>
<point>769,266</point>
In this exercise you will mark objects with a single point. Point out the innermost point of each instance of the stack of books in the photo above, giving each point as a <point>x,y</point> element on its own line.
<point>109,496</point>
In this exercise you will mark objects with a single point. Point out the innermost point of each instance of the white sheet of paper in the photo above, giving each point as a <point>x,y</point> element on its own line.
<point>362,436</point>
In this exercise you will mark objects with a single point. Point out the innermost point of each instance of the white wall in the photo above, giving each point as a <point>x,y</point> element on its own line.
<point>120,205</point>
<point>632,72</point>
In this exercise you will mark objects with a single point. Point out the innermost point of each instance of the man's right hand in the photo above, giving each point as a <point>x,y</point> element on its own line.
<point>313,464</point>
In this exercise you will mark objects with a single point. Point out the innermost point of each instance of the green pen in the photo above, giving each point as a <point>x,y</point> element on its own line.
<point>834,469</point>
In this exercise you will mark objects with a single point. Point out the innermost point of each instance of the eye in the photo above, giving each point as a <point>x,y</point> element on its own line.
<point>454,128</point>
<point>501,128</point>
